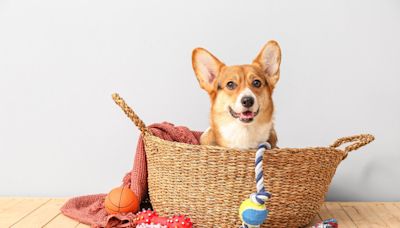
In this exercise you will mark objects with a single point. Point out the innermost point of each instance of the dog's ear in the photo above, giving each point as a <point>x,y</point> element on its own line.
<point>206,67</point>
<point>269,59</point>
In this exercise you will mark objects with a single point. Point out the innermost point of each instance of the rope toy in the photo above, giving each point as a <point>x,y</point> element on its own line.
<point>252,211</point>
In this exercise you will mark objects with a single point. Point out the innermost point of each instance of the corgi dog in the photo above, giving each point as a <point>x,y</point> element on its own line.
<point>242,109</point>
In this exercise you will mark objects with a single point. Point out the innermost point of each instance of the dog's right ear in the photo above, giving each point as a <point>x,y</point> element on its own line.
<point>206,67</point>
<point>269,59</point>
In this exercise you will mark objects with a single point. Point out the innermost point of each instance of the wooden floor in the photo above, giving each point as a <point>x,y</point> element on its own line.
<point>44,212</point>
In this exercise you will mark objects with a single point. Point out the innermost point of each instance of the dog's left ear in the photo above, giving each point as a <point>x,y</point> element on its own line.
<point>269,59</point>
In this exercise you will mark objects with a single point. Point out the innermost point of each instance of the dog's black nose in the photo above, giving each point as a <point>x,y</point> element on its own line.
<point>247,102</point>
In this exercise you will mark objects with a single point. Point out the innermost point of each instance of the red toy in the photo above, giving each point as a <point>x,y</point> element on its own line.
<point>151,217</point>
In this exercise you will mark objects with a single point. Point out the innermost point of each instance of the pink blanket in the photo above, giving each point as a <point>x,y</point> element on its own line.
<point>90,209</point>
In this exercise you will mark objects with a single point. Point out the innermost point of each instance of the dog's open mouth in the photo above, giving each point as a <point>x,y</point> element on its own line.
<point>245,117</point>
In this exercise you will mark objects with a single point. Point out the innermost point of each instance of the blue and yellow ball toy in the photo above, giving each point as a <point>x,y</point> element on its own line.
<point>252,214</point>
<point>252,211</point>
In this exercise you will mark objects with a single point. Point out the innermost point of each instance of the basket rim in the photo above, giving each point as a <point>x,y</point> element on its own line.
<point>218,149</point>
<point>356,141</point>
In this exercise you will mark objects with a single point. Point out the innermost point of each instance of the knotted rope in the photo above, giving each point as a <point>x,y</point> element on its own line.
<point>253,211</point>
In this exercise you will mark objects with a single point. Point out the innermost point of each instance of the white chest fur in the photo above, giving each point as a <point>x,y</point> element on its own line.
<point>241,136</point>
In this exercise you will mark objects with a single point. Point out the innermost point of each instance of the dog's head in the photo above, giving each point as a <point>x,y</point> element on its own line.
<point>241,92</point>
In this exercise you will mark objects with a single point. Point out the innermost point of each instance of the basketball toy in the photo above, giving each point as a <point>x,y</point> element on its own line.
<point>121,200</point>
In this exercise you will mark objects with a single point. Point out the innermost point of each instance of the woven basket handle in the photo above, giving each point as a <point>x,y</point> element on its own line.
<point>130,113</point>
<point>356,140</point>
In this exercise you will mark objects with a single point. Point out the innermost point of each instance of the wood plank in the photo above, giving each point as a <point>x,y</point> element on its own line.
<point>38,212</point>
<point>374,217</point>
<point>61,221</point>
<point>395,208</point>
<point>390,217</point>
<point>315,220</point>
<point>6,203</point>
<point>356,217</point>
<point>42,215</point>
<point>324,213</point>
<point>20,210</point>
<point>339,214</point>
<point>4,200</point>
<point>362,215</point>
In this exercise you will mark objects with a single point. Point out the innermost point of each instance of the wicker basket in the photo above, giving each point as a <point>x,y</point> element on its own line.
<point>208,183</point>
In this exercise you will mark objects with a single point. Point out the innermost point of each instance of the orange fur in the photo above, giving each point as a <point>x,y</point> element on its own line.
<point>213,76</point>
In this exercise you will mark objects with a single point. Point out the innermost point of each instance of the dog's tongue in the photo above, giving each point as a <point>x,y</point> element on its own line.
<point>247,115</point>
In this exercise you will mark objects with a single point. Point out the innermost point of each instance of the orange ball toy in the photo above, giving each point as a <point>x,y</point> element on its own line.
<point>121,200</point>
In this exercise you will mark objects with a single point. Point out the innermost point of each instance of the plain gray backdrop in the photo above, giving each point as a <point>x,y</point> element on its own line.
<point>62,135</point>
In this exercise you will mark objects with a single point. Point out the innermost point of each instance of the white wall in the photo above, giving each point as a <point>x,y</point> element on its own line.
<point>61,134</point>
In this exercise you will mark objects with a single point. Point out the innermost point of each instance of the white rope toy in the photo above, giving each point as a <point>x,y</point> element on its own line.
<point>252,211</point>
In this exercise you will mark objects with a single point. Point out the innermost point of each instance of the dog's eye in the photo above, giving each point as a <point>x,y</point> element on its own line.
<point>256,83</point>
<point>231,85</point>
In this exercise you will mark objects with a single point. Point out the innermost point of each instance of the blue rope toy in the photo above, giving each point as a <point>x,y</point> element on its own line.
<point>252,211</point>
